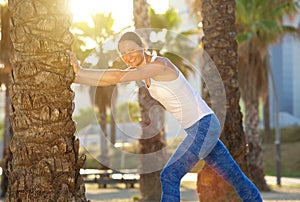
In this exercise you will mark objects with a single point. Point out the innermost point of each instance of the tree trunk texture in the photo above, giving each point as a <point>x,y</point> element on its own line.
<point>255,142</point>
<point>252,71</point>
<point>45,165</point>
<point>150,186</point>
<point>219,42</point>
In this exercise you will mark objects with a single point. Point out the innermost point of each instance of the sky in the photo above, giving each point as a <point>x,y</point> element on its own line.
<point>121,10</point>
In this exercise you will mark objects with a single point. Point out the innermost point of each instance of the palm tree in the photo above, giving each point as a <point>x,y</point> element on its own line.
<point>5,71</point>
<point>259,24</point>
<point>150,186</point>
<point>219,42</point>
<point>101,97</point>
<point>46,164</point>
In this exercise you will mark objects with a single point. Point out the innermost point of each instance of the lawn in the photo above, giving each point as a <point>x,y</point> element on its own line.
<point>290,159</point>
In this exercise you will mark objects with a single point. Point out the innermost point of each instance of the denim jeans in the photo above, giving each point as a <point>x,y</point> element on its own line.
<point>202,142</point>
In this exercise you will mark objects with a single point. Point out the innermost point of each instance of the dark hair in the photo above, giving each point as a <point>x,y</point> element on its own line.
<point>131,36</point>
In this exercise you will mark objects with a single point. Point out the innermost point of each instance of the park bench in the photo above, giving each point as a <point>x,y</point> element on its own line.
<point>108,177</point>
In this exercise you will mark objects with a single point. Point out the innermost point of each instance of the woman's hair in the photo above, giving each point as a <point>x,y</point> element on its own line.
<point>131,36</point>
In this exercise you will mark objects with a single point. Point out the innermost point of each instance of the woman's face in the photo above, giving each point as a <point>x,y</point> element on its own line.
<point>131,53</point>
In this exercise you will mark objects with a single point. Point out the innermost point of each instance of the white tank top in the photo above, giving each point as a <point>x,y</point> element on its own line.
<point>180,99</point>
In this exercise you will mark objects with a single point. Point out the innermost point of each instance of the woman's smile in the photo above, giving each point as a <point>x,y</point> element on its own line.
<point>132,54</point>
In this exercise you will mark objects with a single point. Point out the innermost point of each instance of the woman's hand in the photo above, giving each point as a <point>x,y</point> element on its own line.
<point>74,62</point>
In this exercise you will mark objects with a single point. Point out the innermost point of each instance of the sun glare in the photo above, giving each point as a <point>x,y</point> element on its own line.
<point>122,10</point>
<point>160,6</point>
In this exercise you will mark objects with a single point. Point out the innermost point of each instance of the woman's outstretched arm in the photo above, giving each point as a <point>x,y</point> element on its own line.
<point>105,77</point>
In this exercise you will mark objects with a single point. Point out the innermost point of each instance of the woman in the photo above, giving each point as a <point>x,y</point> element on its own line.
<point>167,84</point>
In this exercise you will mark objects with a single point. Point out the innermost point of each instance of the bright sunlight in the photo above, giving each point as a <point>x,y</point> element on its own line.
<point>122,10</point>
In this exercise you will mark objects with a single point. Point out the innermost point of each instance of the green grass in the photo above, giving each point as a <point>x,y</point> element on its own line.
<point>290,159</point>
<point>290,152</point>
<point>287,135</point>
<point>1,129</point>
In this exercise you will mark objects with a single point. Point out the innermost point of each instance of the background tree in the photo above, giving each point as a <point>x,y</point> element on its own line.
<point>101,96</point>
<point>218,19</point>
<point>45,165</point>
<point>150,186</point>
<point>259,24</point>
<point>5,80</point>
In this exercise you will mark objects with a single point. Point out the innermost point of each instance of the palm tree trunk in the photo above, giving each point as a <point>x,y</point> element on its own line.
<point>102,97</point>
<point>267,135</point>
<point>150,186</point>
<point>266,106</point>
<point>104,161</point>
<point>5,42</point>
<point>250,82</point>
<point>219,42</point>
<point>112,128</point>
<point>7,136</point>
<point>255,142</point>
<point>5,48</point>
<point>46,164</point>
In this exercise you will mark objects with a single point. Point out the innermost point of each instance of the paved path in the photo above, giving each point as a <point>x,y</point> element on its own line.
<point>289,192</point>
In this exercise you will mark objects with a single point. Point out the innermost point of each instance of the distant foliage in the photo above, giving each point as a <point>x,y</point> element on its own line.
<point>1,129</point>
<point>86,116</point>
<point>128,112</point>
<point>287,135</point>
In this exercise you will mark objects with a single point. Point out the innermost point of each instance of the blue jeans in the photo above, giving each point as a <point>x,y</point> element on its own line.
<point>202,142</point>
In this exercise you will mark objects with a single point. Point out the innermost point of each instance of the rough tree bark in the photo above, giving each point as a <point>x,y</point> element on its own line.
<point>150,186</point>
<point>219,42</point>
<point>45,165</point>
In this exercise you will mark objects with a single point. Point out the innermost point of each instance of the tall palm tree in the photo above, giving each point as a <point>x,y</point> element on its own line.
<point>150,186</point>
<point>46,164</point>
<point>101,97</point>
<point>218,18</point>
<point>259,24</point>
<point>5,71</point>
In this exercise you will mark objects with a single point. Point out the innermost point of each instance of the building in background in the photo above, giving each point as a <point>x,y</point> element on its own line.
<point>285,64</point>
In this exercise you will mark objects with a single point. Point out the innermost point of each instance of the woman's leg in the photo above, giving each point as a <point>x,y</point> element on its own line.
<point>187,155</point>
<point>221,161</point>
